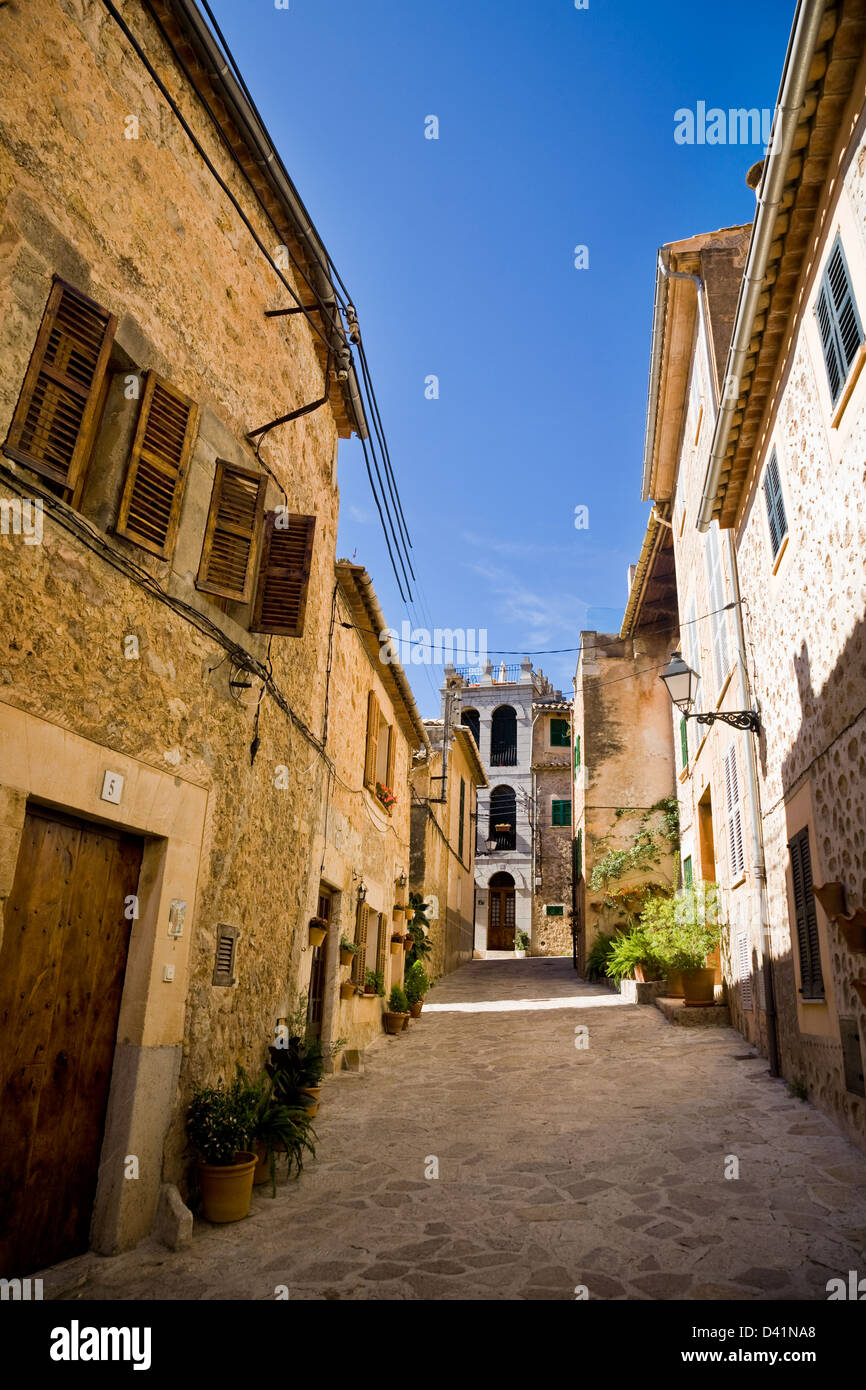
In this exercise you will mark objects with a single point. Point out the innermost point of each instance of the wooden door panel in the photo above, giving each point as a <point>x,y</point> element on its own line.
<point>500,932</point>
<point>62,967</point>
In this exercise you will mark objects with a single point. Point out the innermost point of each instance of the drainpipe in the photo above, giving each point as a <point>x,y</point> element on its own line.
<point>804,38</point>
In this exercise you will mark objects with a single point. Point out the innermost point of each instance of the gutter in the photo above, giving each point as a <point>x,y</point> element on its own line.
<point>212,59</point>
<point>801,50</point>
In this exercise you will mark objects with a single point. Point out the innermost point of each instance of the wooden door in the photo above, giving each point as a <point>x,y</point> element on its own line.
<point>62,966</point>
<point>500,926</point>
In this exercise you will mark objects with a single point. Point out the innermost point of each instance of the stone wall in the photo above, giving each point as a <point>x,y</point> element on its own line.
<point>551,931</point>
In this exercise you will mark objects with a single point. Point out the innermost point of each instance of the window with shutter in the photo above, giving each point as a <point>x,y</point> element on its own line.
<point>461,822</point>
<point>58,409</point>
<point>560,733</point>
<point>688,872</point>
<point>359,960</point>
<point>718,619</point>
<point>284,575</point>
<point>224,965</point>
<point>381,943</point>
<point>736,855</point>
<point>561,812</point>
<point>744,970</point>
<point>155,477</point>
<point>684,741</point>
<point>775,504</point>
<point>577,855</point>
<point>392,754</point>
<point>371,756</point>
<point>228,557</point>
<point>838,319</point>
<point>808,944</point>
<point>576,752</point>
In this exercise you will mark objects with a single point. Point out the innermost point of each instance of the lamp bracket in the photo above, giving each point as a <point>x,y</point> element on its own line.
<point>738,719</point>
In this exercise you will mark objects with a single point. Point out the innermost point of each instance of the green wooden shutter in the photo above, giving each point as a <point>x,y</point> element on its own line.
<point>688,876</point>
<point>576,752</point>
<point>775,504</point>
<point>561,813</point>
<point>808,944</point>
<point>684,741</point>
<point>560,733</point>
<point>462,818</point>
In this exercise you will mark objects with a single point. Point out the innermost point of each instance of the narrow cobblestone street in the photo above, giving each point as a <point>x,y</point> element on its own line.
<point>558,1166</point>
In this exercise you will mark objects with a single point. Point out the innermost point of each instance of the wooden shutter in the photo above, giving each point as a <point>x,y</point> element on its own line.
<point>461,820</point>
<point>829,344</point>
<point>381,943</point>
<point>811,977</point>
<point>359,960</point>
<point>744,969</point>
<point>150,506</point>
<point>224,964</point>
<point>775,504</point>
<point>684,741</point>
<point>718,619</point>
<point>736,856</point>
<point>561,813</point>
<point>58,409</point>
<point>847,321</point>
<point>228,557</point>
<point>688,872</point>
<point>392,753</point>
<point>284,575</point>
<point>372,753</point>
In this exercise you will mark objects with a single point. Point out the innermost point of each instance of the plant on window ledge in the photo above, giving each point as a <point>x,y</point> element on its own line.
<point>385,795</point>
<point>374,983</point>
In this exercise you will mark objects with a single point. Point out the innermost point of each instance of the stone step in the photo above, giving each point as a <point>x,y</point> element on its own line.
<point>710,1016</point>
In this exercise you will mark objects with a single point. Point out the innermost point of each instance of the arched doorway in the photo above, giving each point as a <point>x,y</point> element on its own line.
<point>502,823</point>
<point>500,913</point>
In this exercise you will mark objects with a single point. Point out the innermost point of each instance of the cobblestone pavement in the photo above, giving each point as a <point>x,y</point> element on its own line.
<point>558,1167</point>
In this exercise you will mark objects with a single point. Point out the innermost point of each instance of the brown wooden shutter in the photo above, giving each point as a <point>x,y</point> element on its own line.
<point>284,575</point>
<point>382,944</point>
<point>231,540</point>
<point>58,409</point>
<point>224,962</point>
<point>359,963</point>
<point>150,506</point>
<point>808,943</point>
<point>372,753</point>
<point>392,752</point>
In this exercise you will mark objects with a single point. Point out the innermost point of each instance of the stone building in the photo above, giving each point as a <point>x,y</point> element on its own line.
<point>623,755</point>
<point>552,842</point>
<point>496,705</point>
<point>167,598</point>
<point>373,733</point>
<point>755,445</point>
<point>445,788</point>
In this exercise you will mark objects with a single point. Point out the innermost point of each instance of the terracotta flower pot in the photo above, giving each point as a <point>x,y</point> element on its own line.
<point>346,957</point>
<point>313,1092</point>
<point>699,988</point>
<point>317,935</point>
<point>675,984</point>
<point>262,1171</point>
<point>393,1022</point>
<point>405,1018</point>
<point>347,990</point>
<point>397,946</point>
<point>226,1191</point>
<point>415,1009</point>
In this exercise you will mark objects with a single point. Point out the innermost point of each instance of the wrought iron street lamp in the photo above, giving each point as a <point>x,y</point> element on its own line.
<point>490,842</point>
<point>682,685</point>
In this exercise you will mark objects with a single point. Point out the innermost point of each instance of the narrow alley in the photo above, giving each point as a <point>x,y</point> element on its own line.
<point>560,1167</point>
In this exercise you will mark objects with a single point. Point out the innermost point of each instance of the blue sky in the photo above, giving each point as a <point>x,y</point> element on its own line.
<point>555,130</point>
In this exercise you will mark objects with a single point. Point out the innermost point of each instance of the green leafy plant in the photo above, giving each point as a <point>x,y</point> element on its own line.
<point>417,983</point>
<point>521,941</point>
<point>397,1001</point>
<point>220,1122</point>
<point>293,1069</point>
<point>628,950</point>
<point>279,1127</point>
<point>374,981</point>
<point>347,945</point>
<point>683,928</point>
<point>421,947</point>
<point>657,834</point>
<point>598,955</point>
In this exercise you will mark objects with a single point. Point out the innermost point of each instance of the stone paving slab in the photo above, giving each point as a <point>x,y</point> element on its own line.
<point>558,1166</point>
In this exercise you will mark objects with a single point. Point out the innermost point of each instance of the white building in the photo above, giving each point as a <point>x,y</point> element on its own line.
<point>495,703</point>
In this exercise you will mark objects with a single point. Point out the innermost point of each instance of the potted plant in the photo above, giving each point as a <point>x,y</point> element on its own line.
<point>219,1128</point>
<point>296,1071</point>
<point>632,957</point>
<point>418,925</point>
<point>521,944</point>
<point>683,930</point>
<point>348,950</point>
<point>396,943</point>
<point>277,1128</point>
<point>415,986</point>
<point>374,983</point>
<point>386,796</point>
<point>348,989</point>
<point>397,1011</point>
<point>318,930</point>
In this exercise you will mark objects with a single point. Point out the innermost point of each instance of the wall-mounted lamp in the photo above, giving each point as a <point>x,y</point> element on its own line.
<point>362,891</point>
<point>682,686</point>
<point>490,842</point>
<point>402,880</point>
